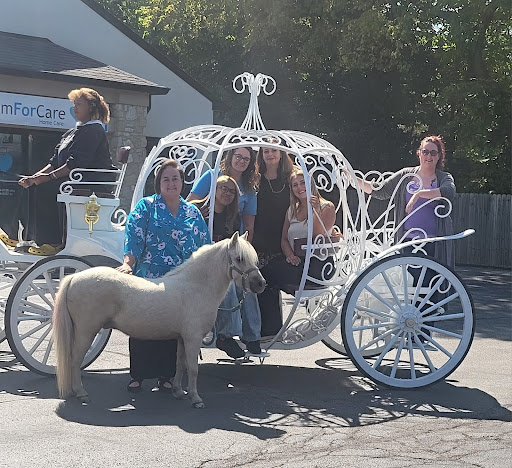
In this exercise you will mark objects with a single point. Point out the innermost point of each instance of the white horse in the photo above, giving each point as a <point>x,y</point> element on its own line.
<point>181,305</point>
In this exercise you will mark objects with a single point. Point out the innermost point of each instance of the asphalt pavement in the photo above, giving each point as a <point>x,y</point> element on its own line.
<point>304,408</point>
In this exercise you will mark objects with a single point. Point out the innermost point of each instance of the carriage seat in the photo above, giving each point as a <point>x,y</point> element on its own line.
<point>122,159</point>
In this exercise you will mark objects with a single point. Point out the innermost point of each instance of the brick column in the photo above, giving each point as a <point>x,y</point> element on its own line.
<point>127,127</point>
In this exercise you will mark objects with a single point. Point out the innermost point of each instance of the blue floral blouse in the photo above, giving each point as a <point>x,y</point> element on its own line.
<point>159,241</point>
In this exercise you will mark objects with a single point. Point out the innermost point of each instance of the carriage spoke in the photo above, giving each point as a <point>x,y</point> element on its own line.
<point>374,326</point>
<point>442,331</point>
<point>425,353</point>
<point>34,330</point>
<point>40,340</point>
<point>29,306</point>
<point>373,311</point>
<point>47,352</point>
<point>397,357</point>
<point>385,350</point>
<point>431,292</point>
<point>440,318</point>
<point>392,290</point>
<point>379,297</point>
<point>27,317</point>
<point>38,290</point>
<point>379,338</point>
<point>411,356</point>
<point>440,303</point>
<point>435,343</point>
<point>49,285</point>
<point>418,286</point>
<point>406,288</point>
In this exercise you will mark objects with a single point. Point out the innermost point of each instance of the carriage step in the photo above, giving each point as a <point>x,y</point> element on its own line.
<point>244,360</point>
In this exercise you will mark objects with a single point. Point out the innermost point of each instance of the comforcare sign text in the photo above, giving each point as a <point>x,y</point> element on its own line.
<point>36,111</point>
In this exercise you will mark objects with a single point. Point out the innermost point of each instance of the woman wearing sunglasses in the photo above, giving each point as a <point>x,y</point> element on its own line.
<point>412,200</point>
<point>415,212</point>
<point>240,164</point>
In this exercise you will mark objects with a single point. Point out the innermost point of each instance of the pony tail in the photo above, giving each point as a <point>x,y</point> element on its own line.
<point>63,333</point>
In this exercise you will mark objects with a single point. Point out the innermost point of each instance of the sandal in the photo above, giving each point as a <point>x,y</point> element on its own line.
<point>45,249</point>
<point>7,240</point>
<point>134,388</point>
<point>164,385</point>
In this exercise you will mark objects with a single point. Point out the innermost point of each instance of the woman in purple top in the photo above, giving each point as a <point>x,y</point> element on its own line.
<point>435,183</point>
<point>423,222</point>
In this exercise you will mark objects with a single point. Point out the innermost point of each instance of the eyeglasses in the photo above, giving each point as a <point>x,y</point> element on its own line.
<point>228,190</point>
<point>433,153</point>
<point>240,158</point>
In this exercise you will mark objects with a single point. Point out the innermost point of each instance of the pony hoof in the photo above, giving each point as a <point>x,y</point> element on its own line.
<point>179,395</point>
<point>199,405</point>
<point>84,400</point>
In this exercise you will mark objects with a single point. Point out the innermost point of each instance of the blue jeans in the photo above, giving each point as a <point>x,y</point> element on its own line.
<point>245,322</point>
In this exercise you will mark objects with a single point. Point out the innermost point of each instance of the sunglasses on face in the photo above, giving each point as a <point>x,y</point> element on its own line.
<point>433,153</point>
<point>225,189</point>
<point>240,158</point>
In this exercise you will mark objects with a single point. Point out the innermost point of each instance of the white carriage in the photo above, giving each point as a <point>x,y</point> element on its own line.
<point>397,332</point>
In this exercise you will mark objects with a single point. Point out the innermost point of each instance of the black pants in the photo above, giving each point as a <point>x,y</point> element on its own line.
<point>151,359</point>
<point>429,275</point>
<point>279,274</point>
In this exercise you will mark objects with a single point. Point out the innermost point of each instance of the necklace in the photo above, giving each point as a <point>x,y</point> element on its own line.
<point>272,189</point>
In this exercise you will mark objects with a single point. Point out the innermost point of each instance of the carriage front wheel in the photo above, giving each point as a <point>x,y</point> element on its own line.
<point>29,311</point>
<point>416,313</point>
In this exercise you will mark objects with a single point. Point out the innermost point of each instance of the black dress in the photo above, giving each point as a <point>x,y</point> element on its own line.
<point>273,201</point>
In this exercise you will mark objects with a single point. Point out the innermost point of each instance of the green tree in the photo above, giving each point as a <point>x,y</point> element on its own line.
<point>372,77</point>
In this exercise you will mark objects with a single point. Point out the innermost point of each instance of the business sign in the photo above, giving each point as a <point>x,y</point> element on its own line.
<point>36,111</point>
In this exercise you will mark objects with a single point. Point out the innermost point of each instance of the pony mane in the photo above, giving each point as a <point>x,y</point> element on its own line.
<point>245,250</point>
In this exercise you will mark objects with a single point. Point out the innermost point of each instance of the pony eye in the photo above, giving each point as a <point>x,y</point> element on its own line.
<point>239,259</point>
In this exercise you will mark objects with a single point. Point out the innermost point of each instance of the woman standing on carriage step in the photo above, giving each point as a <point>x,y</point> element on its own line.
<point>240,164</point>
<point>162,231</point>
<point>286,272</point>
<point>275,167</point>
<point>83,146</point>
<point>414,214</point>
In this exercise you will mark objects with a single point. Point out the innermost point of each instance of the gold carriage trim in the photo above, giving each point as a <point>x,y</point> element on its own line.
<point>92,208</point>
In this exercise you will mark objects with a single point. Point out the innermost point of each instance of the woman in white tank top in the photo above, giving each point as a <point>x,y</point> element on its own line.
<point>280,274</point>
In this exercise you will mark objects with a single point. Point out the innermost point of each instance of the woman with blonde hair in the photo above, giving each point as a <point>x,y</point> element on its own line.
<point>240,164</point>
<point>225,220</point>
<point>285,273</point>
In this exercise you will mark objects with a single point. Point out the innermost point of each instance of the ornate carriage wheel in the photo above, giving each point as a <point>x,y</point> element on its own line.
<point>29,311</point>
<point>334,341</point>
<point>421,332</point>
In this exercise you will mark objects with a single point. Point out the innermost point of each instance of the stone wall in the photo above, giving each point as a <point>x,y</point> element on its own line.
<point>127,127</point>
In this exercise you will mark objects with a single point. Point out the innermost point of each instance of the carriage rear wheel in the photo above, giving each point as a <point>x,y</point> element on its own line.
<point>417,316</point>
<point>29,311</point>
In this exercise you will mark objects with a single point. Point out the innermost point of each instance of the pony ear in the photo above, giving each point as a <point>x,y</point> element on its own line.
<point>234,239</point>
<point>245,235</point>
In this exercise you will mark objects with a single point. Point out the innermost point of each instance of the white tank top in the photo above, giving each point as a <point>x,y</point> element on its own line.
<point>298,229</point>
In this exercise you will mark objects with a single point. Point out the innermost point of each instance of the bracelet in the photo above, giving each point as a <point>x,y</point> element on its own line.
<point>53,175</point>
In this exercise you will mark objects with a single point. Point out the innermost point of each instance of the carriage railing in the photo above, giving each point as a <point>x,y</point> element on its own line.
<point>381,231</point>
<point>77,185</point>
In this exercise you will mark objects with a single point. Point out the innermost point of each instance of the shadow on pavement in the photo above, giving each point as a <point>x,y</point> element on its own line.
<point>491,289</point>
<point>259,400</point>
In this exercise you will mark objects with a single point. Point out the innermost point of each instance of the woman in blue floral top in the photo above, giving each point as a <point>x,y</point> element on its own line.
<point>162,231</point>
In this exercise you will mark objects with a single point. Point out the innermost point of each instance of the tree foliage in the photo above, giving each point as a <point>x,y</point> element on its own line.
<point>372,77</point>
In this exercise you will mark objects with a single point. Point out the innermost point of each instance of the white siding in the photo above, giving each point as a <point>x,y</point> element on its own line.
<point>73,25</point>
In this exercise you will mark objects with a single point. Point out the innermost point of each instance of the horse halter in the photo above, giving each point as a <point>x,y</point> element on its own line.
<point>244,274</point>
